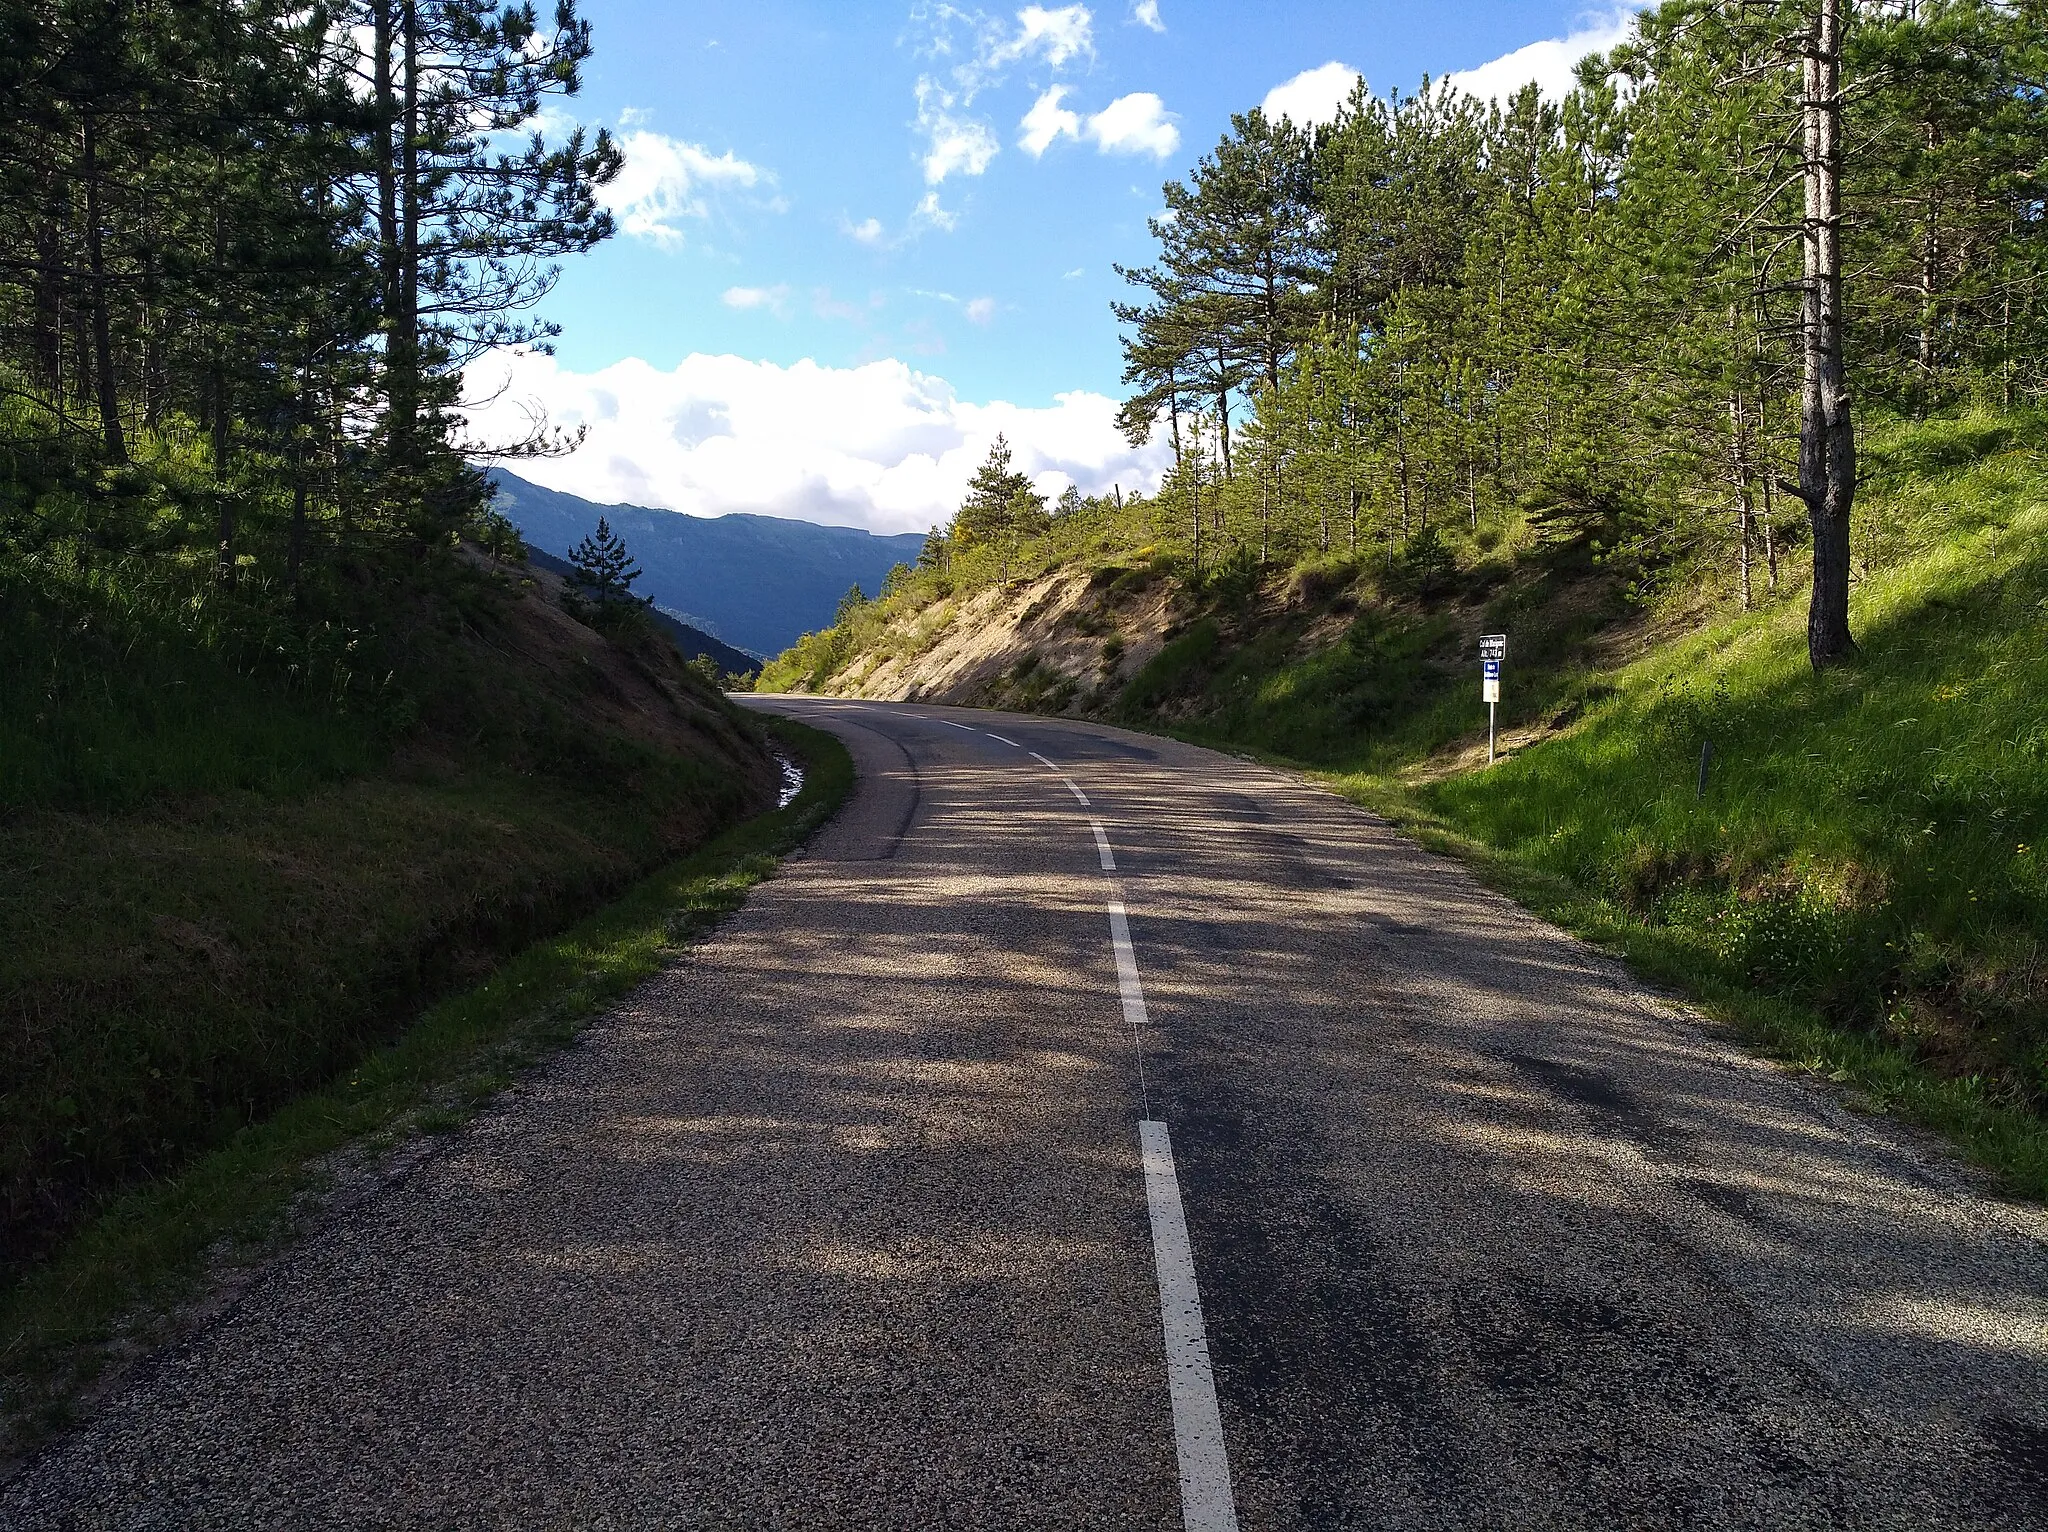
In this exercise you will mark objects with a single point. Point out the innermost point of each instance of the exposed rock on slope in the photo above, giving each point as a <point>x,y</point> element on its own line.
<point>1061,643</point>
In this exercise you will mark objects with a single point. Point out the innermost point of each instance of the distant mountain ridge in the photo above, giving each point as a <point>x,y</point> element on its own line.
<point>756,582</point>
<point>692,641</point>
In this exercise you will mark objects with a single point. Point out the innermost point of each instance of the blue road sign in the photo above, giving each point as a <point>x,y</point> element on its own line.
<point>1489,670</point>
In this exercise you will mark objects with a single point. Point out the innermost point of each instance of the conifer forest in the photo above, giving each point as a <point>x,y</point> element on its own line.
<point>245,252</point>
<point>1652,315</point>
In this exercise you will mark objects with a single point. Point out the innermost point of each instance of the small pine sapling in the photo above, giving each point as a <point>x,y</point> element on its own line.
<point>603,567</point>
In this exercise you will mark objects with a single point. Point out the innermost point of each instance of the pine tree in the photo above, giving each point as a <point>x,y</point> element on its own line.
<point>1000,503</point>
<point>604,568</point>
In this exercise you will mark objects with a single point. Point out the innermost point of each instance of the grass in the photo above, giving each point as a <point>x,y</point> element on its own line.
<point>178,974</point>
<point>244,840</point>
<point>118,1282</point>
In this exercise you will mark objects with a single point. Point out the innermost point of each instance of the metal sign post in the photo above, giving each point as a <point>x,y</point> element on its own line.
<point>1493,651</point>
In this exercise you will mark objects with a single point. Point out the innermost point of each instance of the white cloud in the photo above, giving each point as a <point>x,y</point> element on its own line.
<point>634,116</point>
<point>867,232</point>
<point>928,214</point>
<point>881,446</point>
<point>1548,63</point>
<point>1135,124</point>
<point>952,143</point>
<point>956,143</point>
<point>1046,121</point>
<point>1146,14</point>
<point>1078,271</point>
<point>1314,96</point>
<point>774,299</point>
<point>981,311</point>
<point>665,180</point>
<point>1054,36</point>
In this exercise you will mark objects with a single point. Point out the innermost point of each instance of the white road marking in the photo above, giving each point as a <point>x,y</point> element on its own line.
<point>1102,845</point>
<point>1128,989</point>
<point>991,733</point>
<point>952,725</point>
<point>1206,1502</point>
<point>1072,786</point>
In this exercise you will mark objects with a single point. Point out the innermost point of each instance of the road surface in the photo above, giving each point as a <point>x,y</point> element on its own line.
<point>1090,1131</point>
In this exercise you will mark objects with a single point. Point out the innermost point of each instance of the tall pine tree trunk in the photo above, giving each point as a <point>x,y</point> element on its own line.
<point>106,389</point>
<point>220,420</point>
<point>1223,413</point>
<point>1401,456</point>
<point>390,264</point>
<point>1827,436</point>
<point>409,235</point>
<point>1173,413</point>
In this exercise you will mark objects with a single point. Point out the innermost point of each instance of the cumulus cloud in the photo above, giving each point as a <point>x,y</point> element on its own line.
<point>1312,97</point>
<point>1146,14</point>
<point>1549,63</point>
<point>1135,124</point>
<point>665,180</point>
<point>1047,121</point>
<point>867,232</point>
<point>881,446</point>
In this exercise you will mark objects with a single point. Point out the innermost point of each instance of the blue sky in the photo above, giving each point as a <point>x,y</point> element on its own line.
<point>857,239</point>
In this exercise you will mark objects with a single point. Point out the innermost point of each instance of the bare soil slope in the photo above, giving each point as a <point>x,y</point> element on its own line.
<point>1061,643</point>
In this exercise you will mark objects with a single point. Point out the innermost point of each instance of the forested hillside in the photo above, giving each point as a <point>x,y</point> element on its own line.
<point>757,582</point>
<point>291,741</point>
<point>1743,339</point>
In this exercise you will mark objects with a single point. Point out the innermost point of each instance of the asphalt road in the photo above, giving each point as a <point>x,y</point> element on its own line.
<point>850,1221</point>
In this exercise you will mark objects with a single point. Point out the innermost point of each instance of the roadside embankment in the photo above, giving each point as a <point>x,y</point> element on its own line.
<point>150,1261</point>
<point>226,874</point>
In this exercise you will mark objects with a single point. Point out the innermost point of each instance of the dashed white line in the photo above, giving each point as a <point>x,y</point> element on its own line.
<point>1102,846</point>
<point>1071,785</point>
<point>968,727</point>
<point>1206,1502</point>
<point>1128,989</point>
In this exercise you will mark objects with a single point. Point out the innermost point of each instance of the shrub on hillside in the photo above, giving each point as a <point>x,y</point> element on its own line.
<point>1319,579</point>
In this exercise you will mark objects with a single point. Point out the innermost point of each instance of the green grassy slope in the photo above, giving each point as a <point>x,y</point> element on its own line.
<point>1862,883</point>
<point>238,848</point>
<point>1868,845</point>
<point>116,1287</point>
